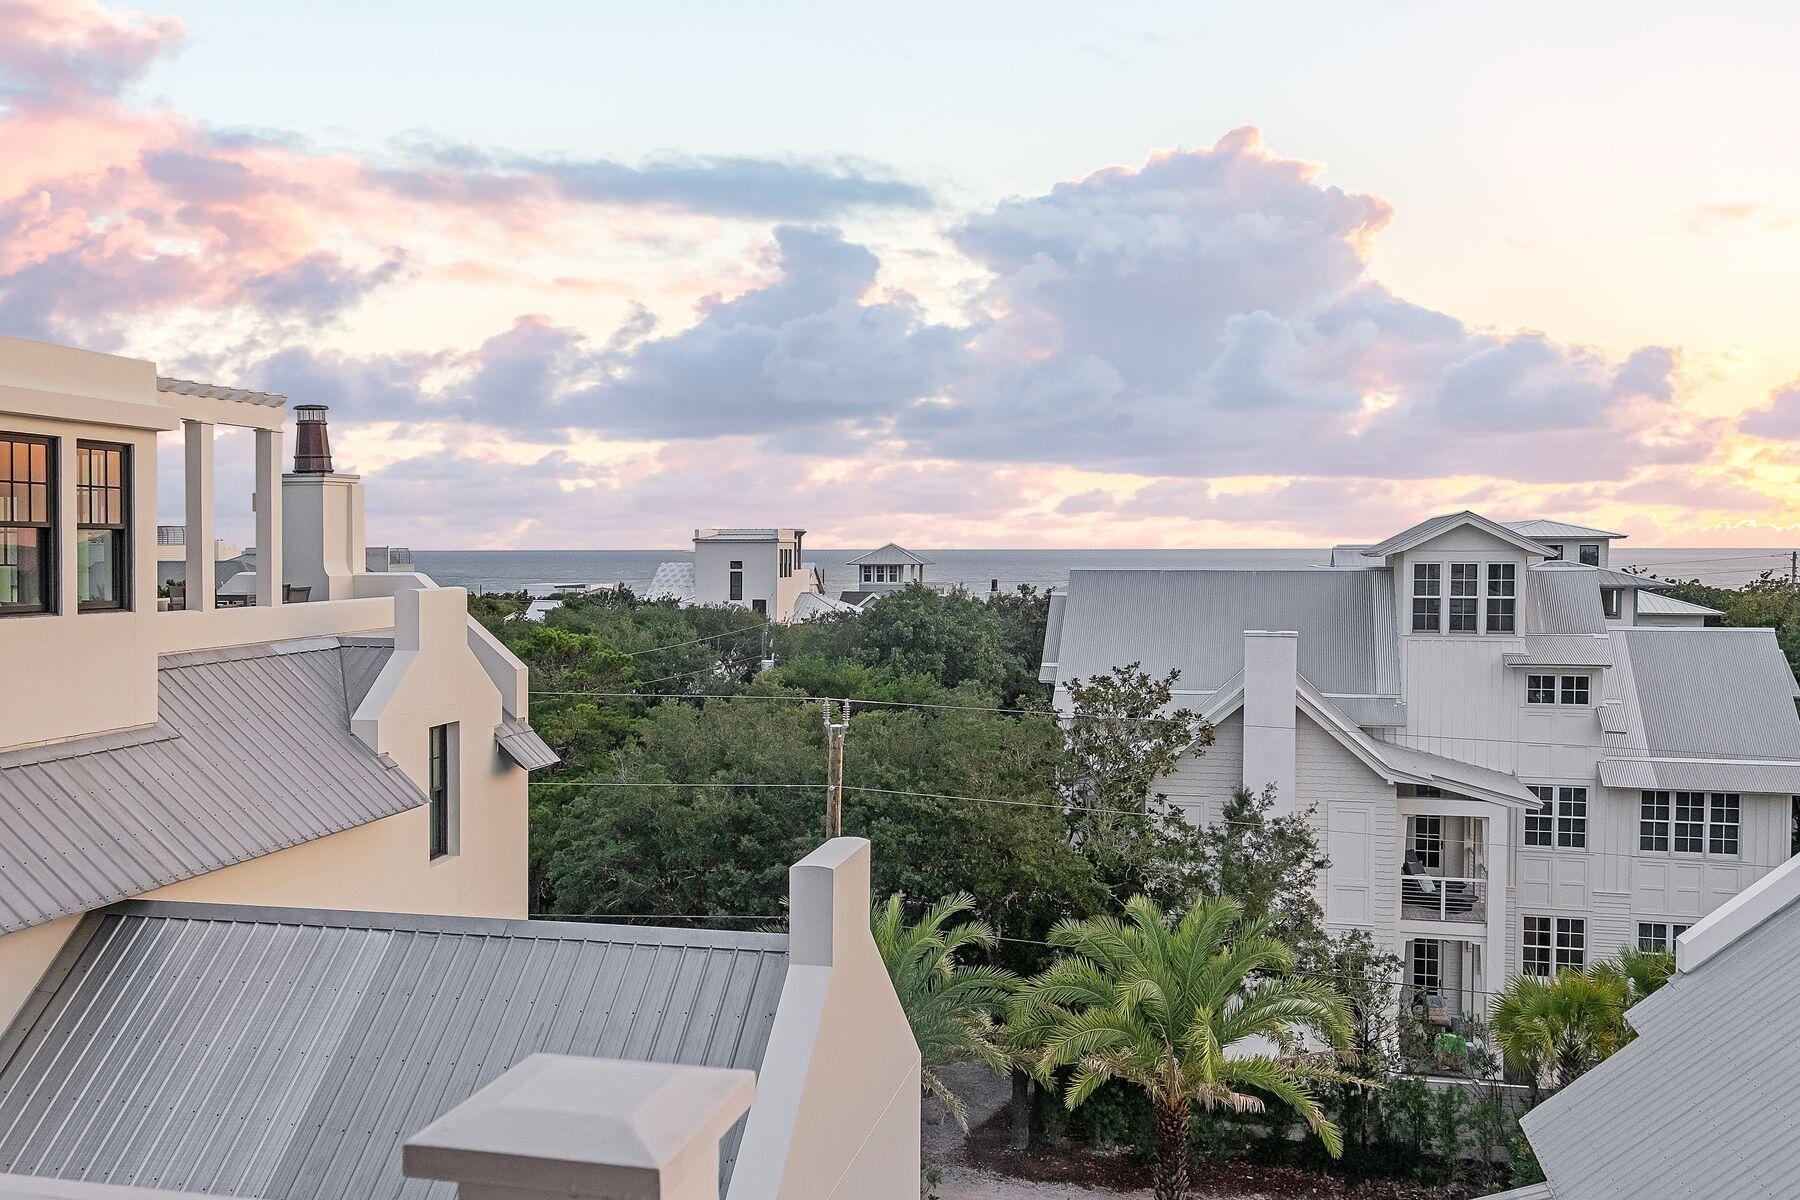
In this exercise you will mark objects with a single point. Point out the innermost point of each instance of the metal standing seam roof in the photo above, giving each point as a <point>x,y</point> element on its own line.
<point>1563,598</point>
<point>1655,604</point>
<point>288,1054</point>
<point>252,753</point>
<point>1557,529</point>
<point>1702,1104</point>
<point>520,742</point>
<point>1195,621</point>
<point>1432,527</point>
<point>1700,693</point>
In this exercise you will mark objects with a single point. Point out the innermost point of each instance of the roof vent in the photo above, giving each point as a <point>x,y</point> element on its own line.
<point>312,448</point>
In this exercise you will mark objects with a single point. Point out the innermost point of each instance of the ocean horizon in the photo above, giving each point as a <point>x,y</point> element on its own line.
<point>539,571</point>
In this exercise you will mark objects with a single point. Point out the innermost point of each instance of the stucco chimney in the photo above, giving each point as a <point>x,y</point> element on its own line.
<point>1271,666</point>
<point>312,443</point>
<point>321,516</point>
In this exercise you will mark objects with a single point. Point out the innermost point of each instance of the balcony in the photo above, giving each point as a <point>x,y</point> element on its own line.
<point>1429,895</point>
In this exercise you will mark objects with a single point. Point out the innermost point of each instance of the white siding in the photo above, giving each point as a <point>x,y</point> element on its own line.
<point>1353,808</point>
<point>1204,781</point>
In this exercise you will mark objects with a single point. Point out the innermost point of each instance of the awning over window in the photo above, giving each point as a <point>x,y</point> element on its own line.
<point>520,742</point>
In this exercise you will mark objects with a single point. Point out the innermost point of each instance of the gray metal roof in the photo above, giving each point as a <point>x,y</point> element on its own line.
<point>521,743</point>
<point>1655,604</point>
<point>1563,598</point>
<point>1557,529</point>
<point>1705,693</point>
<point>252,753</point>
<point>1431,527</point>
<point>288,1053</point>
<point>1700,775</point>
<point>1563,650</point>
<point>1702,1105</point>
<point>1195,621</point>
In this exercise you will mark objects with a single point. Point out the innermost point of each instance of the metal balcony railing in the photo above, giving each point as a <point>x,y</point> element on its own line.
<point>171,535</point>
<point>1426,895</point>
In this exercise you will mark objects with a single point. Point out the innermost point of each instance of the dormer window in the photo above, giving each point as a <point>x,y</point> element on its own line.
<point>1502,597</point>
<point>27,516</point>
<point>1465,596</point>
<point>1427,590</point>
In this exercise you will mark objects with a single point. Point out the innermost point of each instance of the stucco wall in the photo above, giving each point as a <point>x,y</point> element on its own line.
<point>24,957</point>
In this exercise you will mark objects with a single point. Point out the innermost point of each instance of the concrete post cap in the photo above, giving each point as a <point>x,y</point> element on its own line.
<point>586,1127</point>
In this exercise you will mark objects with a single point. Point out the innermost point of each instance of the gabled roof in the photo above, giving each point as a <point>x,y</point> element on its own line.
<point>287,1053</point>
<point>1433,527</point>
<point>889,555</point>
<point>253,753</point>
<point>1395,764</point>
<point>1558,529</point>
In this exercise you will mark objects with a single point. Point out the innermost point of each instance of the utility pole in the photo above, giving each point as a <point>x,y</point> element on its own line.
<point>1793,567</point>
<point>834,770</point>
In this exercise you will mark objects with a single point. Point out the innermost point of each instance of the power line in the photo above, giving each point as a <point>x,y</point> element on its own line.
<point>1604,750</point>
<point>695,642</point>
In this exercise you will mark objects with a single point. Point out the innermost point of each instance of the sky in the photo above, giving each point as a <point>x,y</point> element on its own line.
<point>577,275</point>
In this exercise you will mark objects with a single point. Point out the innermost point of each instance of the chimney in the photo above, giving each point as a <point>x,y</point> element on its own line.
<point>1271,668</point>
<point>312,448</point>
<point>321,517</point>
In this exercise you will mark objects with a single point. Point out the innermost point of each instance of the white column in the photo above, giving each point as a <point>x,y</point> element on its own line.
<point>1495,962</point>
<point>556,1127</point>
<point>1271,666</point>
<point>268,517</point>
<point>200,521</point>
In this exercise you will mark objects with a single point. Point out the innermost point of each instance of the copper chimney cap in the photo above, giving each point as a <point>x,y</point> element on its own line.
<point>312,448</point>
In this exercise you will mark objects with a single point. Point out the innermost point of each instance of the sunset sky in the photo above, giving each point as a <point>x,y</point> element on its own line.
<point>583,275</point>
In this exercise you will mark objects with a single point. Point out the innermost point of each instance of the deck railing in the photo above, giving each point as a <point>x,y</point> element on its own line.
<point>1427,896</point>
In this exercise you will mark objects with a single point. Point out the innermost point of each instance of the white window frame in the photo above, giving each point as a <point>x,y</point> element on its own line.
<point>1485,592</point>
<point>1690,824</point>
<point>1500,598</point>
<point>1660,935</point>
<point>1431,574</point>
<point>1543,690</point>
<point>1426,970</point>
<point>1612,603</point>
<point>1550,944</point>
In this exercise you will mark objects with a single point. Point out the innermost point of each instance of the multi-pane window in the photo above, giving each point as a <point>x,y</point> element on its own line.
<point>1557,689</point>
<point>787,562</point>
<point>1553,943</point>
<point>1722,828</point>
<point>1428,841</point>
<point>737,579</point>
<point>438,776</point>
<point>1502,597</point>
<point>1535,956</point>
<point>1571,943</point>
<point>1428,587</point>
<point>1562,821</point>
<point>1590,554</point>
<point>1571,817</point>
<point>1690,822</point>
<point>1427,964</point>
<point>1658,935</point>
<point>27,510</point>
<point>1465,596</point>
<point>1612,602</point>
<point>1540,824</point>
<point>1653,821</point>
<point>102,525</point>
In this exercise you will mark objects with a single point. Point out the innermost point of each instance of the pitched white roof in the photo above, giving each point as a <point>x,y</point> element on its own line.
<point>672,581</point>
<point>891,554</point>
<point>1558,529</point>
<point>1433,527</point>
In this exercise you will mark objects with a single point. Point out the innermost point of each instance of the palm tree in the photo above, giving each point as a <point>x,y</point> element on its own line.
<point>949,1004</point>
<point>1556,1029</point>
<point>1162,1007</point>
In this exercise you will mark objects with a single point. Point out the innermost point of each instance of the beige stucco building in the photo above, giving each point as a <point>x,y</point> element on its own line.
<point>265,867</point>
